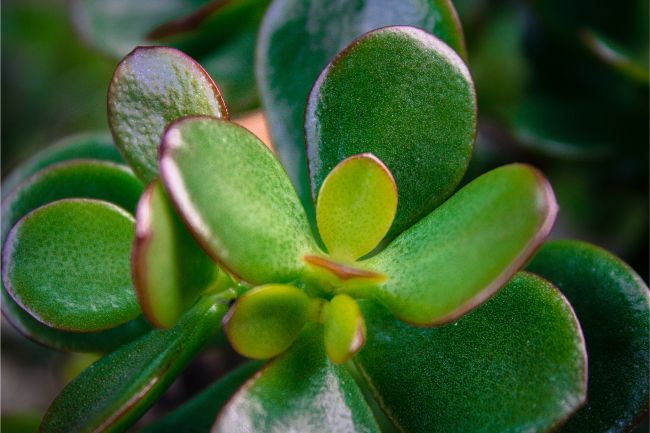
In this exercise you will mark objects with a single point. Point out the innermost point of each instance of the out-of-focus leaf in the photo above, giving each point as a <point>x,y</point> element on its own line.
<point>613,306</point>
<point>297,40</point>
<point>88,145</point>
<point>236,198</point>
<point>115,391</point>
<point>198,414</point>
<point>169,268</point>
<point>151,87</point>
<point>406,97</point>
<point>298,391</point>
<point>517,363</point>
<point>463,252</point>
<point>67,264</point>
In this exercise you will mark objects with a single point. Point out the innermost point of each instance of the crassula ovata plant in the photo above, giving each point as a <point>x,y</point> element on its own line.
<point>384,296</point>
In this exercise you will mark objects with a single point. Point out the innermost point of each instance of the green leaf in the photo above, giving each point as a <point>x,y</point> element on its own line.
<point>198,414</point>
<point>115,391</point>
<point>248,217</point>
<point>629,65</point>
<point>408,98</point>
<point>561,128</point>
<point>223,39</point>
<point>298,391</point>
<point>73,179</point>
<point>356,206</point>
<point>151,87</point>
<point>297,40</point>
<point>460,254</point>
<point>169,268</point>
<point>344,328</point>
<point>265,321</point>
<point>613,307</point>
<point>515,364</point>
<point>96,342</point>
<point>67,264</point>
<point>87,145</point>
<point>118,26</point>
<point>220,34</point>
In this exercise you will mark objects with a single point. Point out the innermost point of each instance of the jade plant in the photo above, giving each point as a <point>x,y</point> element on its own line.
<point>383,296</point>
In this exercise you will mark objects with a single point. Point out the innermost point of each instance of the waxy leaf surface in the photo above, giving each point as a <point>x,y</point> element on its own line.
<point>67,264</point>
<point>151,87</point>
<point>297,40</point>
<point>73,179</point>
<point>613,306</point>
<point>344,329</point>
<point>515,364</point>
<point>95,342</point>
<point>198,414</point>
<point>87,145</point>
<point>169,269</point>
<point>461,253</point>
<point>408,98</point>
<point>115,391</point>
<point>298,391</point>
<point>356,206</point>
<point>266,320</point>
<point>236,199</point>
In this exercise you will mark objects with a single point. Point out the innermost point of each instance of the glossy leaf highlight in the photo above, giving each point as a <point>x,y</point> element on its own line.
<point>517,363</point>
<point>408,98</point>
<point>67,264</point>
<point>151,87</point>
<point>265,321</point>
<point>114,392</point>
<point>297,40</point>
<point>169,269</point>
<point>458,256</point>
<point>298,391</point>
<point>236,199</point>
<point>356,206</point>
<point>613,306</point>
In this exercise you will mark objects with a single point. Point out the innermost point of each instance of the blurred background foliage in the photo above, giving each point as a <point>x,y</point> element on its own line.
<point>563,85</point>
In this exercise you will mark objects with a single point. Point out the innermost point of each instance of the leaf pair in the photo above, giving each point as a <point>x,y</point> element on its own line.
<point>60,266</point>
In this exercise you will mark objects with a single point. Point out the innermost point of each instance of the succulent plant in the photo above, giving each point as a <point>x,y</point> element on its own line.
<point>384,297</point>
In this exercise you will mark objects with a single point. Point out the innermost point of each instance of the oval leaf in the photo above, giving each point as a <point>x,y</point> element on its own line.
<point>114,392</point>
<point>169,269</point>
<point>265,321</point>
<point>345,330</point>
<point>73,179</point>
<point>298,391</point>
<point>248,217</point>
<point>198,414</point>
<point>297,40</point>
<point>408,98</point>
<point>356,206</point>
<point>613,307</point>
<point>95,342</point>
<point>460,254</point>
<point>496,370</point>
<point>151,87</point>
<point>67,264</point>
<point>87,145</point>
